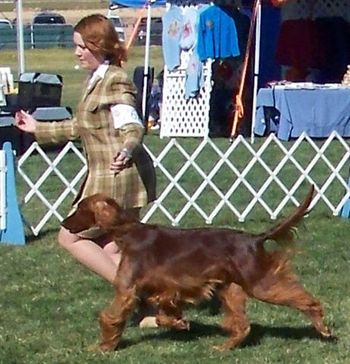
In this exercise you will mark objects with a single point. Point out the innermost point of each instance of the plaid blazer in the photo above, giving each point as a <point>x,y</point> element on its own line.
<point>93,125</point>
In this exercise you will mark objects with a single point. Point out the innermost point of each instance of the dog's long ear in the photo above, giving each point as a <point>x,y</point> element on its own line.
<point>108,214</point>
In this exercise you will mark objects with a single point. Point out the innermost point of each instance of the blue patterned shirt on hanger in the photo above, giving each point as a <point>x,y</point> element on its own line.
<point>217,34</point>
<point>172,31</point>
<point>194,77</point>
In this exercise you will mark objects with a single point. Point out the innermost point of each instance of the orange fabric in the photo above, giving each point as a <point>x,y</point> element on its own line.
<point>239,112</point>
<point>136,27</point>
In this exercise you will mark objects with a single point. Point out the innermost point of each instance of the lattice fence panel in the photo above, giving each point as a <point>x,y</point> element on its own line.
<point>298,9</point>
<point>181,117</point>
<point>50,183</point>
<point>205,180</point>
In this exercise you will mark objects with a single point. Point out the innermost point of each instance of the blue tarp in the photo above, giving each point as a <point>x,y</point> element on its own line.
<point>136,3</point>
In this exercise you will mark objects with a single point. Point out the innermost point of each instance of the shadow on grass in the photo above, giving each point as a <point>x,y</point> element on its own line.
<point>199,330</point>
<point>258,332</point>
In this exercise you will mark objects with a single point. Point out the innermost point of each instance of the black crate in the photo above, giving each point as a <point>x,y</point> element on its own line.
<point>39,90</point>
<point>8,132</point>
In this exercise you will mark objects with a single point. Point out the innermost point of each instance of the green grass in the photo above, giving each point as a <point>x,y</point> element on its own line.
<point>57,5</point>
<point>62,62</point>
<point>49,304</point>
<point>49,307</point>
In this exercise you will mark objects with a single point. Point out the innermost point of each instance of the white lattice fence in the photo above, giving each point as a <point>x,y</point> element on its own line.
<point>299,9</point>
<point>53,202</point>
<point>204,179</point>
<point>181,117</point>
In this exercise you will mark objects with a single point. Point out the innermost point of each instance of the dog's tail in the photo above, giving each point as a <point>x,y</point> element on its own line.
<point>283,233</point>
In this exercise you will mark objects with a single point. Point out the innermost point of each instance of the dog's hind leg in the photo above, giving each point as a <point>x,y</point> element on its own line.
<point>170,315</point>
<point>287,291</point>
<point>113,319</point>
<point>234,301</point>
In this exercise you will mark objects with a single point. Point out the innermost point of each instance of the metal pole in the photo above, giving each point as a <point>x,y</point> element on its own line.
<point>256,67</point>
<point>20,40</point>
<point>2,190</point>
<point>146,64</point>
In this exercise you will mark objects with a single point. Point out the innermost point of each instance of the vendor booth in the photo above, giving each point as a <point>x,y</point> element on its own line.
<point>201,67</point>
<point>298,54</point>
<point>311,52</point>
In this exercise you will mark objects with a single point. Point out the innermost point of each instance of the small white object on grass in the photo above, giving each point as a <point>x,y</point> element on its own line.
<point>76,67</point>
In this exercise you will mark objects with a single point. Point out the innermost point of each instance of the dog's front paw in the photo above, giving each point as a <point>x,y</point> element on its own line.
<point>328,335</point>
<point>106,347</point>
<point>222,348</point>
<point>93,348</point>
<point>182,324</point>
<point>98,347</point>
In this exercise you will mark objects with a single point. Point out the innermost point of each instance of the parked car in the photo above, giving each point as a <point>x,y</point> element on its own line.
<point>155,33</point>
<point>48,17</point>
<point>118,26</point>
<point>5,24</point>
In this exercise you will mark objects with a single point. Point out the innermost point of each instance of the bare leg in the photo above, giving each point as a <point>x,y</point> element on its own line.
<point>103,261</point>
<point>89,254</point>
<point>113,251</point>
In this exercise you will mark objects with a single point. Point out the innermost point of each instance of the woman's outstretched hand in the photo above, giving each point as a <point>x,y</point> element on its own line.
<point>25,122</point>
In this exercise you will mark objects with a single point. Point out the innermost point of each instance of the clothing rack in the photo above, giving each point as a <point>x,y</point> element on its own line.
<point>183,116</point>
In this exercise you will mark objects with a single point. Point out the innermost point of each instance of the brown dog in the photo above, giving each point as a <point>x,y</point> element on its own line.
<point>170,267</point>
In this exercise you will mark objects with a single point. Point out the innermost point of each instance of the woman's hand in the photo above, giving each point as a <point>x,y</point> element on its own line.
<point>25,122</point>
<point>121,160</point>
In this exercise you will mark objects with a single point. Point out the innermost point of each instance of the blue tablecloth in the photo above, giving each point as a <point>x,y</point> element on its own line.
<point>289,112</point>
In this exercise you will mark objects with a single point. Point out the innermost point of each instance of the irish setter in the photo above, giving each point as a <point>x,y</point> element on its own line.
<point>170,267</point>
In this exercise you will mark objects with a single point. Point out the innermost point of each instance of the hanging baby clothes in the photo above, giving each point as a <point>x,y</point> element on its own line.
<point>194,77</point>
<point>194,71</point>
<point>190,28</point>
<point>217,34</point>
<point>172,30</point>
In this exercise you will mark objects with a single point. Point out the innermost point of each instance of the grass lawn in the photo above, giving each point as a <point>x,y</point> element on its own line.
<point>62,62</point>
<point>49,304</point>
<point>49,307</point>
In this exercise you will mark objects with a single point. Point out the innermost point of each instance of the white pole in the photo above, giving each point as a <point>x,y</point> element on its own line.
<point>256,67</point>
<point>2,190</point>
<point>146,64</point>
<point>20,41</point>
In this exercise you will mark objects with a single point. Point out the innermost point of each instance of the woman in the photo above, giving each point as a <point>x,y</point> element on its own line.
<point>111,134</point>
